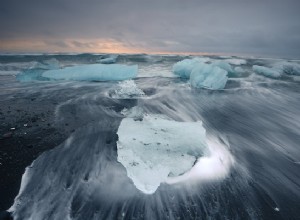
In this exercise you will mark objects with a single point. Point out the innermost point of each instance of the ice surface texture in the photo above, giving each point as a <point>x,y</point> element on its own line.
<point>35,70</point>
<point>93,72</point>
<point>156,148</point>
<point>203,75</point>
<point>184,68</point>
<point>208,76</point>
<point>126,90</point>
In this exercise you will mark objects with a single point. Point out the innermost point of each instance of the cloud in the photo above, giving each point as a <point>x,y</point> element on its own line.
<point>268,27</point>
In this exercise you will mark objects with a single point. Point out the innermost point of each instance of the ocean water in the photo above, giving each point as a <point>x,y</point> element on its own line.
<point>249,168</point>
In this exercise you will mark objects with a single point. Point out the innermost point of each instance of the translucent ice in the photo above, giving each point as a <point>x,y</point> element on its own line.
<point>208,76</point>
<point>34,72</point>
<point>93,72</point>
<point>269,72</point>
<point>155,148</point>
<point>127,89</point>
<point>225,66</point>
<point>203,75</point>
<point>184,68</point>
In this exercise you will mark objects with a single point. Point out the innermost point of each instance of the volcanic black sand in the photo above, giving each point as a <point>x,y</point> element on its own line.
<point>27,130</point>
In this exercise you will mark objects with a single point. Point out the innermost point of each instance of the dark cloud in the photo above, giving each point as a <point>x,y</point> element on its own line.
<point>269,27</point>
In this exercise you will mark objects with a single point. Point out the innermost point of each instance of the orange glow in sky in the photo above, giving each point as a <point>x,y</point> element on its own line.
<point>77,46</point>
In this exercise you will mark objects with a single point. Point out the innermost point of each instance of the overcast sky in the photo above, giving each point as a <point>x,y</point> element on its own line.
<point>257,27</point>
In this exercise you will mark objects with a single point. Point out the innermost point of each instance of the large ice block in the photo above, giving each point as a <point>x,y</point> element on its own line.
<point>93,72</point>
<point>155,148</point>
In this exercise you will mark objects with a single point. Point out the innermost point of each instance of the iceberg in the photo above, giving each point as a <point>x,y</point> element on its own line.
<point>269,72</point>
<point>184,68</point>
<point>208,76</point>
<point>155,149</point>
<point>93,72</point>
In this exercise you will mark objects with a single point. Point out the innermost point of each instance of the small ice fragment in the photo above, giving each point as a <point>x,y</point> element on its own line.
<point>127,89</point>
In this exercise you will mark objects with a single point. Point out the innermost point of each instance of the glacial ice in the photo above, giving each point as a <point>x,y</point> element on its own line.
<point>269,72</point>
<point>155,149</point>
<point>135,112</point>
<point>184,68</point>
<point>208,76</point>
<point>126,90</point>
<point>203,75</point>
<point>93,72</point>
<point>225,66</point>
<point>35,70</point>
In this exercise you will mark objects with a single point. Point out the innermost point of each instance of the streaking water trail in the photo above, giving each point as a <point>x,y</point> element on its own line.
<point>252,127</point>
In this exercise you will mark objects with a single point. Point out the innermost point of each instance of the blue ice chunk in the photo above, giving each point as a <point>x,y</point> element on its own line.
<point>225,66</point>
<point>184,68</point>
<point>269,72</point>
<point>208,76</point>
<point>31,75</point>
<point>93,72</point>
<point>35,71</point>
